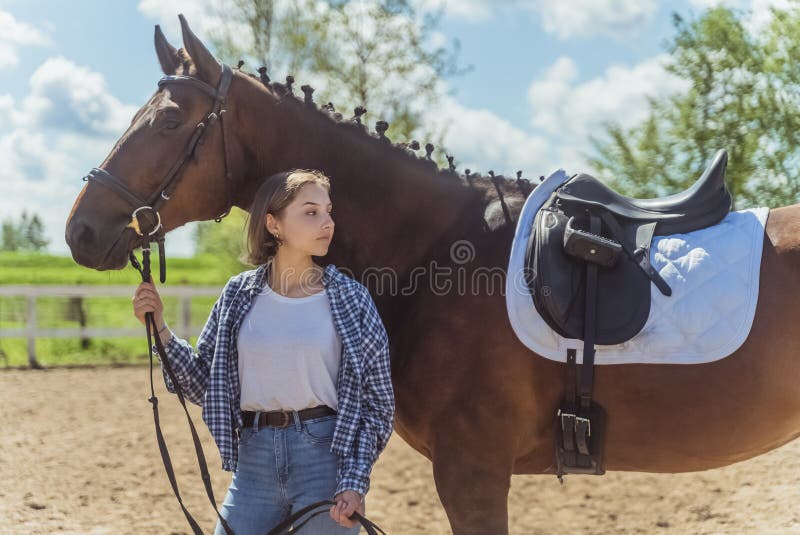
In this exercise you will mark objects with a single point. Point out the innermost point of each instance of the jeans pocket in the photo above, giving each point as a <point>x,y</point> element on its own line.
<point>244,435</point>
<point>319,430</point>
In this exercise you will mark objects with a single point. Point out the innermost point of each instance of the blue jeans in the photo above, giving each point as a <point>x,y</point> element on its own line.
<point>282,470</point>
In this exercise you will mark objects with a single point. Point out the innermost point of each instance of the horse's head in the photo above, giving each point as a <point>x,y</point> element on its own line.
<point>172,165</point>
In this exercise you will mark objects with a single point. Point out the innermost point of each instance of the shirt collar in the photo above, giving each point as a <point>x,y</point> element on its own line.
<point>258,277</point>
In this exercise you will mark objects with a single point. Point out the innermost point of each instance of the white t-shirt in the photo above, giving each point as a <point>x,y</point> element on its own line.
<point>289,353</point>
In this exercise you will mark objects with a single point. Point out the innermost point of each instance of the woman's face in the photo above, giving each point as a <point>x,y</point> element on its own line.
<point>306,225</point>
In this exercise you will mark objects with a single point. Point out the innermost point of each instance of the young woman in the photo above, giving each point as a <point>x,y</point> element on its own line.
<point>291,369</point>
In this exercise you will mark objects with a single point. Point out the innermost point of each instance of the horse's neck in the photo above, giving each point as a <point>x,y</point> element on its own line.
<point>389,209</point>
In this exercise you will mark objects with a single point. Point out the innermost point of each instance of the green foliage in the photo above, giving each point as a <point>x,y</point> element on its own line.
<point>223,241</point>
<point>26,235</point>
<point>374,53</point>
<point>742,95</point>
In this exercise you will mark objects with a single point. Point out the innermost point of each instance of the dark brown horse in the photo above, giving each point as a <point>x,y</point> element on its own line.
<point>470,396</point>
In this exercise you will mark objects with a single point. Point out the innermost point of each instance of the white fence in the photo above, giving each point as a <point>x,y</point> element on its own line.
<point>31,331</point>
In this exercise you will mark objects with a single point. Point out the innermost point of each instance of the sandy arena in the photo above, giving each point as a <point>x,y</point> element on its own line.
<point>78,455</point>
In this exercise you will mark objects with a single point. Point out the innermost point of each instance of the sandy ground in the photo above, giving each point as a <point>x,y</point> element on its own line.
<point>78,455</point>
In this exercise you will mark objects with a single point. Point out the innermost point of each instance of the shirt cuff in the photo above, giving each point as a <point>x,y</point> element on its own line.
<point>167,346</point>
<point>353,476</point>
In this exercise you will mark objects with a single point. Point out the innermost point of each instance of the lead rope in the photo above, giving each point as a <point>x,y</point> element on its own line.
<point>284,529</point>
<point>150,323</point>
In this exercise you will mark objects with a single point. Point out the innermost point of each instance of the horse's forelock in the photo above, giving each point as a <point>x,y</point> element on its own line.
<point>187,67</point>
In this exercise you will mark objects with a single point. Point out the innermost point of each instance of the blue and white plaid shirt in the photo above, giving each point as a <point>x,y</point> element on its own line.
<point>210,377</point>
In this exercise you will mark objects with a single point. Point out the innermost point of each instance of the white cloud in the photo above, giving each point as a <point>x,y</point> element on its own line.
<point>705,4</point>
<point>8,55</point>
<point>757,12</point>
<point>586,18</point>
<point>6,108</point>
<point>70,97</point>
<point>200,16</point>
<point>15,34</point>
<point>572,110</point>
<point>565,18</point>
<point>480,140</point>
<point>470,10</point>
<point>760,14</point>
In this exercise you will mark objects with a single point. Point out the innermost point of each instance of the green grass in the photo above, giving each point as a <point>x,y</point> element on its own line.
<point>42,270</point>
<point>35,268</point>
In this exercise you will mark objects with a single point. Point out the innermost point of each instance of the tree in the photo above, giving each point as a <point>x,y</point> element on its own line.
<point>27,235</point>
<point>742,96</point>
<point>34,234</point>
<point>375,53</point>
<point>10,241</point>
<point>225,240</point>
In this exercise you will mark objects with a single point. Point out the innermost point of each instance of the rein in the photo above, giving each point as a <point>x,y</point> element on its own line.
<point>146,222</point>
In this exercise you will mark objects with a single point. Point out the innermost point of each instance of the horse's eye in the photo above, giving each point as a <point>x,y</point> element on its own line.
<point>172,124</point>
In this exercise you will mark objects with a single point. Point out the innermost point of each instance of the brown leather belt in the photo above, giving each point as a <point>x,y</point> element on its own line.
<point>281,419</point>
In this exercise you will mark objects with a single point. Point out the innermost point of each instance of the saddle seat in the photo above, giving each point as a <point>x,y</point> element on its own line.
<point>692,209</point>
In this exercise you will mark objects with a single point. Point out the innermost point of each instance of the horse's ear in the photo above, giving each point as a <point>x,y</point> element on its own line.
<point>208,68</point>
<point>167,55</point>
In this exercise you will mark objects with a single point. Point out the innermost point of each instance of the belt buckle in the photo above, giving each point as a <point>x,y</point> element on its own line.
<point>565,417</point>
<point>588,423</point>
<point>287,419</point>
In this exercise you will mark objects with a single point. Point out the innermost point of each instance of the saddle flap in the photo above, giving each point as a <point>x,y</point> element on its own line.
<point>556,281</point>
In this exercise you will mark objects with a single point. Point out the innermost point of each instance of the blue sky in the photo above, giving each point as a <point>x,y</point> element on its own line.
<point>546,74</point>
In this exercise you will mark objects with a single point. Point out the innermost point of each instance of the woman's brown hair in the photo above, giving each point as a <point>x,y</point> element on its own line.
<point>275,193</point>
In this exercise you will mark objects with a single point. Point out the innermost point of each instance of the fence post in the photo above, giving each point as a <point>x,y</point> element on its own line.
<point>186,317</point>
<point>32,362</point>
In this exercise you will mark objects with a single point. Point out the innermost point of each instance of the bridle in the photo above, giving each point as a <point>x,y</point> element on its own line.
<point>145,219</point>
<point>146,222</point>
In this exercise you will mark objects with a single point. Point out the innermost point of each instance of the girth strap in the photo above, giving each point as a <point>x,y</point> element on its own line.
<point>590,325</point>
<point>567,412</point>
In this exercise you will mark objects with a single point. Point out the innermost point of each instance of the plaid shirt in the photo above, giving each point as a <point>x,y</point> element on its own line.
<point>210,377</point>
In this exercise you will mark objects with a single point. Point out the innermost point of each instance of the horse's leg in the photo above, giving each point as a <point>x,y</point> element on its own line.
<point>471,402</point>
<point>472,477</point>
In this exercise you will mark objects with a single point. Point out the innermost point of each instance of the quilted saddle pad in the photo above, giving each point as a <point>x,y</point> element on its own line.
<point>713,273</point>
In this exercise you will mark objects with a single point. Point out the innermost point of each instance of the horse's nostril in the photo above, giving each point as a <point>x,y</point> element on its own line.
<point>80,234</point>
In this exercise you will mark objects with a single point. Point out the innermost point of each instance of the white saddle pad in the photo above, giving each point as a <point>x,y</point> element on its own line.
<point>713,273</point>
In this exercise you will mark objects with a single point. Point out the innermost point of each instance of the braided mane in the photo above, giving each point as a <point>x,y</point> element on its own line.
<point>285,93</point>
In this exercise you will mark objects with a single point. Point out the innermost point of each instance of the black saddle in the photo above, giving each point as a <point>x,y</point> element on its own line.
<point>561,244</point>
<point>588,269</point>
